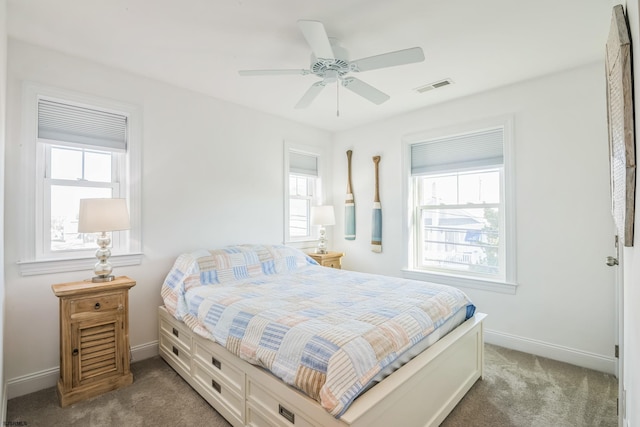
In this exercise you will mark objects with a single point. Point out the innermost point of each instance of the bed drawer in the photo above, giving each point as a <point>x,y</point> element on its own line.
<point>175,352</point>
<point>225,399</point>
<point>219,366</point>
<point>177,331</point>
<point>264,408</point>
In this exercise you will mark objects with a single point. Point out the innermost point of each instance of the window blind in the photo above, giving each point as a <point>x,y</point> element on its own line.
<point>303,164</point>
<point>458,152</point>
<point>74,125</point>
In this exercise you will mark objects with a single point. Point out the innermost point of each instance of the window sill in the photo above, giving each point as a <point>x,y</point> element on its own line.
<point>463,282</point>
<point>303,244</point>
<point>47,266</point>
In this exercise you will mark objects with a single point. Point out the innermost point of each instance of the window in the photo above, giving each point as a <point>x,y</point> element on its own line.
<point>460,206</point>
<point>302,192</point>
<point>76,147</point>
<point>72,174</point>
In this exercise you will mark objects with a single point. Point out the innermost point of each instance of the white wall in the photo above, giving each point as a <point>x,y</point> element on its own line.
<point>564,306</point>
<point>212,175</point>
<point>3,92</point>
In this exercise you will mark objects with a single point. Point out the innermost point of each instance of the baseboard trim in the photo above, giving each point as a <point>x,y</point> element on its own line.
<point>144,351</point>
<point>573,356</point>
<point>36,381</point>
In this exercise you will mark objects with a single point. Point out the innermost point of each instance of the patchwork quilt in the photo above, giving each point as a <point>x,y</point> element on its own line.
<point>324,331</point>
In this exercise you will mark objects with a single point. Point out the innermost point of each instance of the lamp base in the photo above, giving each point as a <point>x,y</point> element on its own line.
<point>100,279</point>
<point>322,241</point>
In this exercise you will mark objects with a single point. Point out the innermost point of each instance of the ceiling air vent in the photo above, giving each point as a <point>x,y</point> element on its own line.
<point>434,85</point>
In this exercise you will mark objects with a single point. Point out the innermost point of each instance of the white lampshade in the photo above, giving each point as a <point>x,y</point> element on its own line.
<point>97,215</point>
<point>322,215</point>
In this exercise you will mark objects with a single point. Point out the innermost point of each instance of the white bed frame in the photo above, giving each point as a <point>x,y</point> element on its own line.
<point>421,393</point>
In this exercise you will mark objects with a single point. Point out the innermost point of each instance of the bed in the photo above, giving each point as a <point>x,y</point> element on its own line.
<point>269,337</point>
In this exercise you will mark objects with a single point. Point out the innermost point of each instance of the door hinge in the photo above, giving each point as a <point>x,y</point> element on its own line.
<point>617,406</point>
<point>616,351</point>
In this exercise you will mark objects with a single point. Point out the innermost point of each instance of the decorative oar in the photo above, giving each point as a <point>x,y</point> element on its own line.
<point>376,223</point>
<point>349,206</point>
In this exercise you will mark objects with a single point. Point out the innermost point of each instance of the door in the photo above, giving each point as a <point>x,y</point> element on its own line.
<point>96,347</point>
<point>616,263</point>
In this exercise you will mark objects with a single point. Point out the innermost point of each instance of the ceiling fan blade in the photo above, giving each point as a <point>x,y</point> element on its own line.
<point>310,95</point>
<point>272,72</point>
<point>365,90</point>
<point>317,38</point>
<point>390,59</point>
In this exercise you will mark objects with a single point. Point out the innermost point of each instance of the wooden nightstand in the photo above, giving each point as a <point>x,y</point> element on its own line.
<point>330,259</point>
<point>94,338</point>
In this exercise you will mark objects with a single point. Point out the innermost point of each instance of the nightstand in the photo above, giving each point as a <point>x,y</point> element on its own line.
<point>94,338</point>
<point>330,259</point>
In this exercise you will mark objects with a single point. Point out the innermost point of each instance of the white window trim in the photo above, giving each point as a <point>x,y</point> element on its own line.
<point>509,285</point>
<point>30,262</point>
<point>318,198</point>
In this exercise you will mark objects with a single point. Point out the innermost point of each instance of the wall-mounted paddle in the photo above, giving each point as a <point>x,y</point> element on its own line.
<point>376,222</point>
<point>349,206</point>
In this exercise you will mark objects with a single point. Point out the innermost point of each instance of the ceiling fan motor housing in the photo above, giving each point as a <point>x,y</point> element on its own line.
<point>331,68</point>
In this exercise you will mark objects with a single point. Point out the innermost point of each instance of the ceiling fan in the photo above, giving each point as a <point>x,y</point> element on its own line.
<point>331,63</point>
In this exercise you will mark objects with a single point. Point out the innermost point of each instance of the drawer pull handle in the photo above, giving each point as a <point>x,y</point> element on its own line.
<point>74,352</point>
<point>97,306</point>
<point>176,333</point>
<point>287,414</point>
<point>216,362</point>
<point>217,387</point>
<point>176,351</point>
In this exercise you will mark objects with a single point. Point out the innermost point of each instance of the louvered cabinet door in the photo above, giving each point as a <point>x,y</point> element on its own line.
<point>96,352</point>
<point>94,338</point>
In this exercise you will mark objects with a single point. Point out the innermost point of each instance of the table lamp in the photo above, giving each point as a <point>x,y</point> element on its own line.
<point>322,215</point>
<point>101,216</point>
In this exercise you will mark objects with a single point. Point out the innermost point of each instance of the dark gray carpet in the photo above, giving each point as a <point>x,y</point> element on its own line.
<point>518,389</point>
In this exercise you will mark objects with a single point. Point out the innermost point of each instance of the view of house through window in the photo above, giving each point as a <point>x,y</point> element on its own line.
<point>459,207</point>
<point>459,221</point>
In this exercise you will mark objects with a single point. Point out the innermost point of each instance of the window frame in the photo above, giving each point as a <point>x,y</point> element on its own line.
<point>311,184</point>
<point>34,257</point>
<point>502,285</point>
<point>43,204</point>
<point>419,228</point>
<point>316,199</point>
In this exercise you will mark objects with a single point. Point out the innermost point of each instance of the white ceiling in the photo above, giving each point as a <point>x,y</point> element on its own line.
<point>201,44</point>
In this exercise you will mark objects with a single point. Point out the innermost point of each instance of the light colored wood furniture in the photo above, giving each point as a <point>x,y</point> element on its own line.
<point>622,151</point>
<point>330,259</point>
<point>94,338</point>
<point>421,393</point>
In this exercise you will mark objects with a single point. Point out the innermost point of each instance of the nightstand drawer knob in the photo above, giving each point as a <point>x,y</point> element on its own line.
<point>74,352</point>
<point>176,333</point>
<point>97,306</point>
<point>175,351</point>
